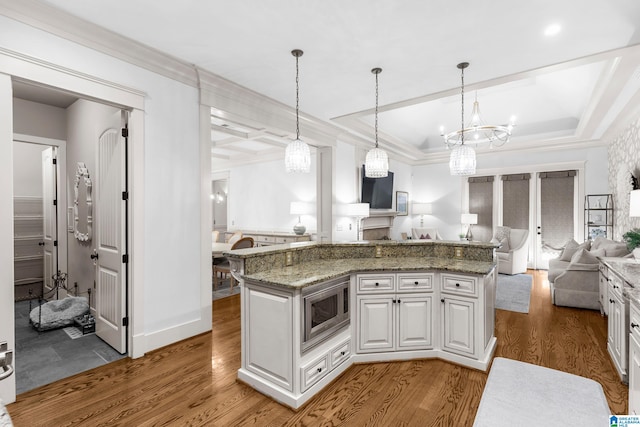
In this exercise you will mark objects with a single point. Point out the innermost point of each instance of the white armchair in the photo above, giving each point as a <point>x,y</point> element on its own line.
<point>513,260</point>
<point>433,234</point>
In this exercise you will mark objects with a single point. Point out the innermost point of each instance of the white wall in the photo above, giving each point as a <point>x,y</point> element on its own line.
<point>172,257</point>
<point>260,195</point>
<point>32,118</point>
<point>346,189</point>
<point>27,172</point>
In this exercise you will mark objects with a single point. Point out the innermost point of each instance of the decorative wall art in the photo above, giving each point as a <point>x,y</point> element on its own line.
<point>402,206</point>
<point>82,204</point>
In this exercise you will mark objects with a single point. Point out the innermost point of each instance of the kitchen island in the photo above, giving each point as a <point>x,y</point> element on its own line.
<point>310,310</point>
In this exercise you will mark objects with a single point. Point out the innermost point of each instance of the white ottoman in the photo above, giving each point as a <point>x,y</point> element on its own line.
<point>522,394</point>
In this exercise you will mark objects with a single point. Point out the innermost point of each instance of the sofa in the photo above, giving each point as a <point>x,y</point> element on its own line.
<point>513,253</point>
<point>573,277</point>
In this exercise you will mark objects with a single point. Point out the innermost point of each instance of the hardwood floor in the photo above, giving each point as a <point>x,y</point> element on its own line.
<point>193,382</point>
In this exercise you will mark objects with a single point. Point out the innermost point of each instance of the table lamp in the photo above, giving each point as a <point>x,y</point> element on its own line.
<point>421,209</point>
<point>469,219</point>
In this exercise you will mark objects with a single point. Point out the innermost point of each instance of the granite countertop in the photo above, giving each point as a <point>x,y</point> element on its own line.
<point>258,251</point>
<point>309,273</point>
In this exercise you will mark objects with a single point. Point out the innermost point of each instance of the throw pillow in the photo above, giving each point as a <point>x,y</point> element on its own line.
<point>597,252</point>
<point>599,241</point>
<point>422,237</point>
<point>505,245</point>
<point>583,256</point>
<point>616,250</point>
<point>572,247</point>
<point>502,233</point>
<point>428,236</point>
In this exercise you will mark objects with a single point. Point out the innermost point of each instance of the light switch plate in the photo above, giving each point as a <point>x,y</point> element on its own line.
<point>288,258</point>
<point>378,251</point>
<point>458,252</point>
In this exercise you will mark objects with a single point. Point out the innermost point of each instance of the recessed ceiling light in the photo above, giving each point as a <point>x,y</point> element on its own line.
<point>552,30</point>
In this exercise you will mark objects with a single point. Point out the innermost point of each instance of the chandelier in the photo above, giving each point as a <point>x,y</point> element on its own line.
<point>463,157</point>
<point>297,156</point>
<point>376,164</point>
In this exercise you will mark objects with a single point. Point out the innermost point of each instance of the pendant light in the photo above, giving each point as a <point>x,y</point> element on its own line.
<point>463,157</point>
<point>376,164</point>
<point>297,156</point>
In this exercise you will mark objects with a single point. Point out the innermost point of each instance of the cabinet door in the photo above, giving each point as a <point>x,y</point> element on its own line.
<point>604,295</point>
<point>634,376</point>
<point>621,334</point>
<point>458,325</point>
<point>611,320</point>
<point>375,323</point>
<point>414,322</point>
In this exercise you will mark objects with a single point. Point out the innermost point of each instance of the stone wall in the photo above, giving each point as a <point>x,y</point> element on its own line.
<point>624,161</point>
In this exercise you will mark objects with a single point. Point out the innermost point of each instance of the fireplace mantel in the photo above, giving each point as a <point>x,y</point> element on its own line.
<point>378,224</point>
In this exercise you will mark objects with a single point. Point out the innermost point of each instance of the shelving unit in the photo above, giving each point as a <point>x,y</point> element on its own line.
<point>28,261</point>
<point>598,216</point>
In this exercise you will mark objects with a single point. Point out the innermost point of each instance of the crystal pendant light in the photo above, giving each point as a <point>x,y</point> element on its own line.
<point>297,156</point>
<point>463,157</point>
<point>376,164</point>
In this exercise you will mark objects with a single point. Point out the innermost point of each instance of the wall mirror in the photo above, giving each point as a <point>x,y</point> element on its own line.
<point>82,204</point>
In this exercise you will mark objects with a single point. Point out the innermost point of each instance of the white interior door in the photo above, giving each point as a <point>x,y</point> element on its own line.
<point>110,240</point>
<point>50,217</point>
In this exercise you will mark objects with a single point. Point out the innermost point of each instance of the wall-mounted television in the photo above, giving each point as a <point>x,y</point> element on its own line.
<point>378,192</point>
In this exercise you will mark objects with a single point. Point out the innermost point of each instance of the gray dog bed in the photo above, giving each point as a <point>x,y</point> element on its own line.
<point>58,313</point>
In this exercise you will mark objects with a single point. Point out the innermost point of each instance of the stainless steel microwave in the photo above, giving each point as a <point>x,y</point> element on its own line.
<point>326,311</point>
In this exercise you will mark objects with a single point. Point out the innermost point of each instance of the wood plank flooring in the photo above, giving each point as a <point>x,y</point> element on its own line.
<point>193,382</point>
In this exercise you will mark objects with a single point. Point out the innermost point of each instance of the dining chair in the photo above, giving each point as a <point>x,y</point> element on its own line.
<point>225,268</point>
<point>235,237</point>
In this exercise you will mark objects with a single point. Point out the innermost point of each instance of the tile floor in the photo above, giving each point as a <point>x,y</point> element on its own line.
<point>45,357</point>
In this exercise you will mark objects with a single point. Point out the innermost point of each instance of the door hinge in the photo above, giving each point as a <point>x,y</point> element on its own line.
<point>55,243</point>
<point>125,195</point>
<point>55,161</point>
<point>125,132</point>
<point>125,258</point>
<point>55,202</point>
<point>125,321</point>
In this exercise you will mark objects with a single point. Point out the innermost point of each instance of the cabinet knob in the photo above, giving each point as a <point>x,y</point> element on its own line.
<point>40,243</point>
<point>377,284</point>
<point>415,283</point>
<point>611,301</point>
<point>319,369</point>
<point>393,301</point>
<point>442,300</point>
<point>458,285</point>
<point>342,353</point>
<point>398,301</point>
<point>634,325</point>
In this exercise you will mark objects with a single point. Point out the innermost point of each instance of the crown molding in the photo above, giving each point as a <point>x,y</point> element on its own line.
<point>59,23</point>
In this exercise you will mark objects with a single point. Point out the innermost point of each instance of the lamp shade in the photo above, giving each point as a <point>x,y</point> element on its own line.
<point>300,208</point>
<point>422,208</point>
<point>634,203</point>
<point>359,210</point>
<point>469,218</point>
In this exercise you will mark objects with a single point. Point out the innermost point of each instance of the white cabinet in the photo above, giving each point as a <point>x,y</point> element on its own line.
<point>618,325</point>
<point>634,361</point>
<point>603,288</point>
<point>389,318</point>
<point>458,316</point>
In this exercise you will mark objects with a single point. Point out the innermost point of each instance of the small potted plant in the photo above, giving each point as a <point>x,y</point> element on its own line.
<point>632,238</point>
<point>462,236</point>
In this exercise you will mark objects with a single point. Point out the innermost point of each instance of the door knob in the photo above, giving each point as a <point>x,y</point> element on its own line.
<point>6,359</point>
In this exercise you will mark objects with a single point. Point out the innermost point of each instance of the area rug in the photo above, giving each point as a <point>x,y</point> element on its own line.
<point>513,293</point>
<point>223,290</point>
<point>522,394</point>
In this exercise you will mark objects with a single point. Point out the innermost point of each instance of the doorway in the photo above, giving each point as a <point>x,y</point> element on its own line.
<point>72,197</point>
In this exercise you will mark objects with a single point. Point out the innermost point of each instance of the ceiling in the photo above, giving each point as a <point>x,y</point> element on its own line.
<point>564,90</point>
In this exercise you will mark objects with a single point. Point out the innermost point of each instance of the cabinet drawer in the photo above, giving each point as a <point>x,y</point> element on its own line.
<point>280,240</point>
<point>375,283</point>
<point>264,239</point>
<point>615,285</point>
<point>462,285</point>
<point>634,322</point>
<point>340,354</point>
<point>415,282</point>
<point>313,372</point>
